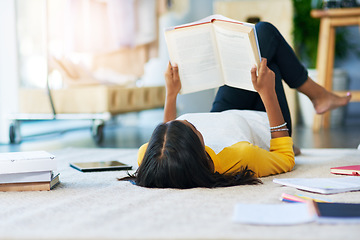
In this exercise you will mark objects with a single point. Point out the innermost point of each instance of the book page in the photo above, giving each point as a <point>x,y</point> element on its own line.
<point>207,19</point>
<point>201,21</point>
<point>236,54</point>
<point>194,50</point>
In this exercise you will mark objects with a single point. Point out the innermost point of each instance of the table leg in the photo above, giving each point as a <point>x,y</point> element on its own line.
<point>325,62</point>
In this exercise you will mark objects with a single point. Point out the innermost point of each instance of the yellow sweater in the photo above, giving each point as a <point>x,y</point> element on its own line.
<point>279,159</point>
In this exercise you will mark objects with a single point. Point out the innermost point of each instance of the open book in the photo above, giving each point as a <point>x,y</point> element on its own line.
<point>212,52</point>
<point>322,185</point>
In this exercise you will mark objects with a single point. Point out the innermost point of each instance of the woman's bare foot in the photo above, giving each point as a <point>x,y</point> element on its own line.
<point>329,101</point>
<point>322,99</point>
<point>297,150</point>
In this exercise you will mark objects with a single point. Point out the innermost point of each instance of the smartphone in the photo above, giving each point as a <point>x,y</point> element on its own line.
<point>112,165</point>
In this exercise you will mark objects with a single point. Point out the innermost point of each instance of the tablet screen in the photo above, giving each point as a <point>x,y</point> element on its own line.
<point>100,166</point>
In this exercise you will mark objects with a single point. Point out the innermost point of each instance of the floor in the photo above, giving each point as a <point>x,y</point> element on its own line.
<point>132,130</point>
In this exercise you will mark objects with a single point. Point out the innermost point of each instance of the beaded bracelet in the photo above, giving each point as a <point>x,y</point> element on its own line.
<point>278,130</point>
<point>279,126</point>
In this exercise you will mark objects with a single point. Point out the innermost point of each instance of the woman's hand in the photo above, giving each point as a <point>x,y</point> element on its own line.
<point>172,80</point>
<point>173,86</point>
<point>264,83</point>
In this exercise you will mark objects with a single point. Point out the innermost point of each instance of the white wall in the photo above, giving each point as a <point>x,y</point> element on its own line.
<point>8,66</point>
<point>154,74</point>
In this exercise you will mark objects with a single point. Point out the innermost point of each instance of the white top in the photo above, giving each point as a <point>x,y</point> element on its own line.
<point>223,129</point>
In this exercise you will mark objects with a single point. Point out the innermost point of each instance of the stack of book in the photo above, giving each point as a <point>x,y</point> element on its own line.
<point>28,171</point>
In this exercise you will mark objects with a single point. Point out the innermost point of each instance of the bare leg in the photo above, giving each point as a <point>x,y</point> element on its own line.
<point>322,99</point>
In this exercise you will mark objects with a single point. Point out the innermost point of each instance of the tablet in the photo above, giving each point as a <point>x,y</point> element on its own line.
<point>112,165</point>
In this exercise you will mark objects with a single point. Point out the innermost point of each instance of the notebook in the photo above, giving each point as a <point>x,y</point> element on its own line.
<point>322,185</point>
<point>346,170</point>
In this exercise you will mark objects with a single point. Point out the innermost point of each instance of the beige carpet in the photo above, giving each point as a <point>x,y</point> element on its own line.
<point>96,206</point>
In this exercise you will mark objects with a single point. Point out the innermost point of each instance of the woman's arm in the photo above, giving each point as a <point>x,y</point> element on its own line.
<point>264,84</point>
<point>173,86</point>
<point>280,157</point>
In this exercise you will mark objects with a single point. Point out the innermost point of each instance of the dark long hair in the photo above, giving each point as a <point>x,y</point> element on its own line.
<point>176,158</point>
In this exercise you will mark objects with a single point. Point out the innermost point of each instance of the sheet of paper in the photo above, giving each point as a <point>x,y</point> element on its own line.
<point>273,214</point>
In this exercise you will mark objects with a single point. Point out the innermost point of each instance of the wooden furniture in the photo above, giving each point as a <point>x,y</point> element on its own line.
<point>93,102</point>
<point>329,20</point>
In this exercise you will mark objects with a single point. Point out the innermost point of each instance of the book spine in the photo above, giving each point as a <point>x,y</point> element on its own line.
<point>41,186</point>
<point>27,166</point>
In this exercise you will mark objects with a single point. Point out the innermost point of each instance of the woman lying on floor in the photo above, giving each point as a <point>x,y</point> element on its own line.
<point>247,134</point>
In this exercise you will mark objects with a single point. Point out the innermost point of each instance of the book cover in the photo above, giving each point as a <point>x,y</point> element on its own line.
<point>33,161</point>
<point>336,212</point>
<point>212,52</point>
<point>346,170</point>
<point>30,186</point>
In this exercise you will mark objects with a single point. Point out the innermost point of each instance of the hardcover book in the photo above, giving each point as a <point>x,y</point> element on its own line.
<point>32,161</point>
<point>212,52</point>
<point>31,186</point>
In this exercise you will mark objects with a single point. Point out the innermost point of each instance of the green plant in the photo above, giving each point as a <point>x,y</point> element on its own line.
<point>306,34</point>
